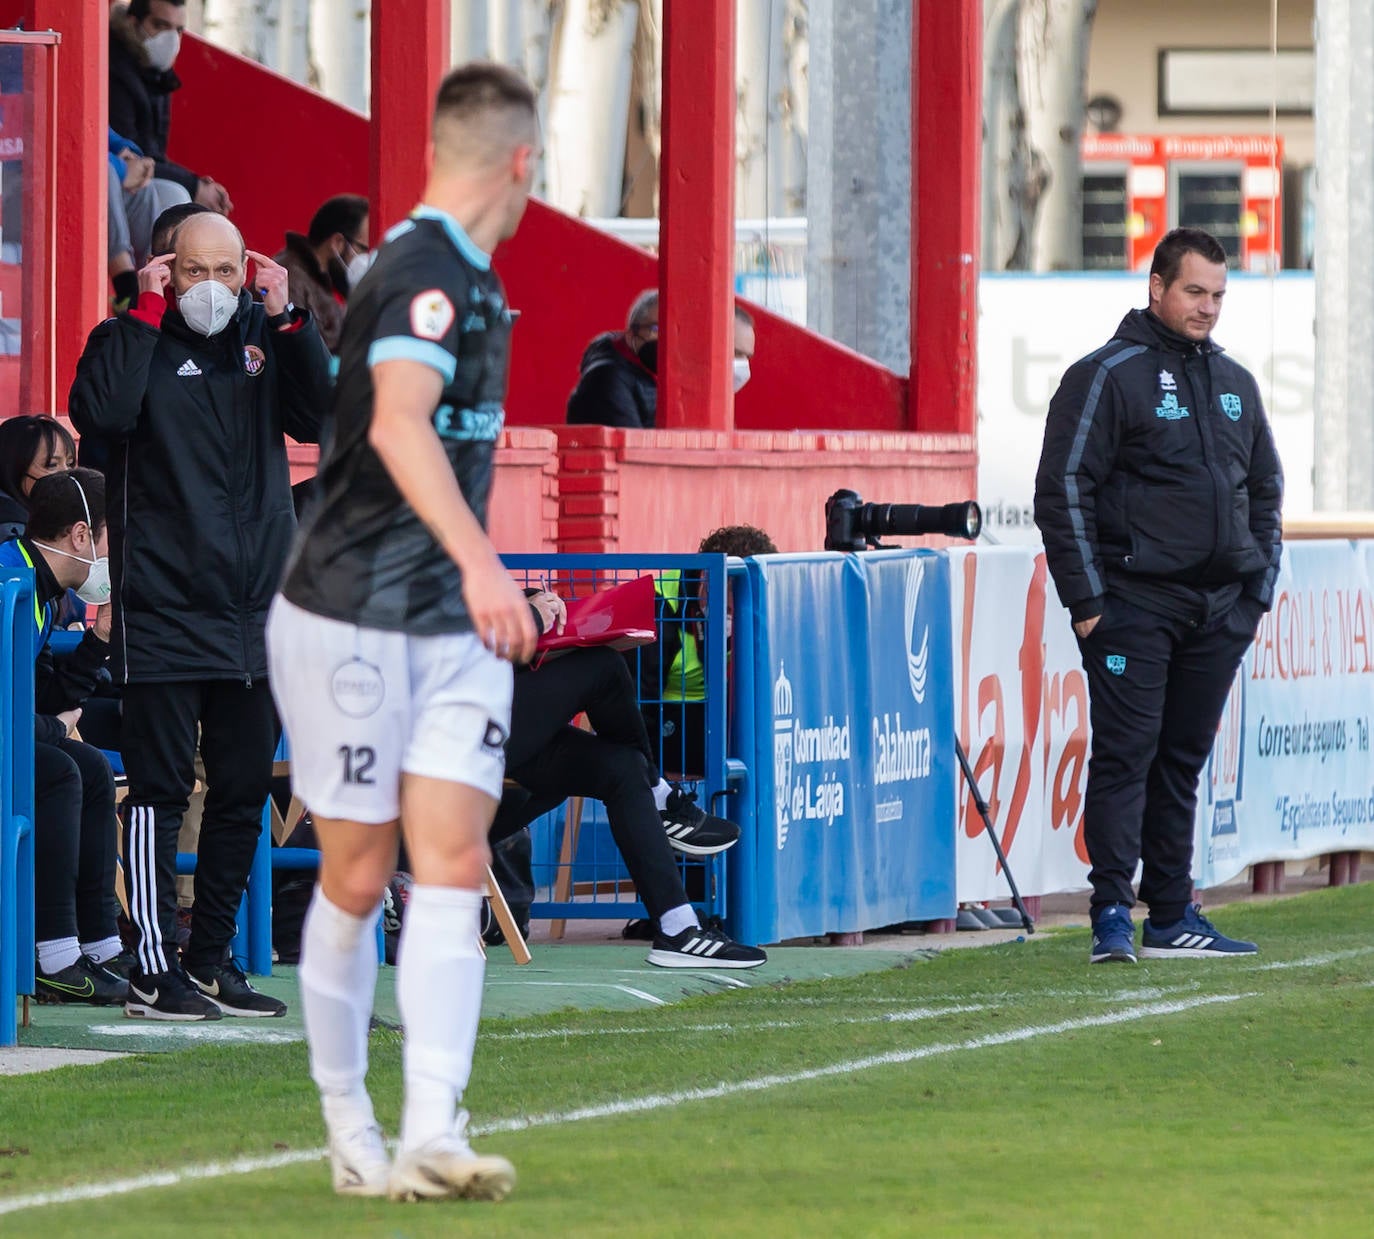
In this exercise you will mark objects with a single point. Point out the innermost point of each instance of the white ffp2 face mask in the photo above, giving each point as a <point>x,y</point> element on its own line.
<point>741,372</point>
<point>95,589</point>
<point>358,266</point>
<point>162,49</point>
<point>208,306</point>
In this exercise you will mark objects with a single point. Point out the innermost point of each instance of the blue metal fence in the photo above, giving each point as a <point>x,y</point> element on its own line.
<point>689,736</point>
<point>16,798</point>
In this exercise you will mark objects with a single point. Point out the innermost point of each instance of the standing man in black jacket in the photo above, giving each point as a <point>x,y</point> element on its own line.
<point>195,402</point>
<point>1158,497</point>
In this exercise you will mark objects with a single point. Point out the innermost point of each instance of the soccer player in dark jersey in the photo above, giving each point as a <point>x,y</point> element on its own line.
<point>391,646</point>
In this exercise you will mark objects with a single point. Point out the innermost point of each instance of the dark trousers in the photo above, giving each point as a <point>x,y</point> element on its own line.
<point>74,843</point>
<point>552,760</point>
<point>238,736</point>
<point>1156,689</point>
<point>679,729</point>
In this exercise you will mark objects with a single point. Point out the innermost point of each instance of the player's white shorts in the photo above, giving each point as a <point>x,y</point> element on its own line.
<point>361,705</point>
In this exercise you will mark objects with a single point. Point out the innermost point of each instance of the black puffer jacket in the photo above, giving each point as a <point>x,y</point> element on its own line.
<point>141,101</point>
<point>1158,480</point>
<point>14,517</point>
<point>198,488</point>
<point>616,388</point>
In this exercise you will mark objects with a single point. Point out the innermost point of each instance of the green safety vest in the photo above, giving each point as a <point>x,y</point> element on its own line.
<point>685,679</point>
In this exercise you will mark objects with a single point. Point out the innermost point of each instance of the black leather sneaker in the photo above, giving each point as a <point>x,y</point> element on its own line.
<point>167,996</point>
<point>226,986</point>
<point>84,982</point>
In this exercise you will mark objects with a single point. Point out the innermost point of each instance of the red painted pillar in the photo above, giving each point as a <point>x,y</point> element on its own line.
<point>82,275</point>
<point>946,134</point>
<point>697,212</point>
<point>410,53</point>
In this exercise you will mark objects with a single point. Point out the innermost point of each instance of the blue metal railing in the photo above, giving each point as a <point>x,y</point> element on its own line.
<point>16,799</point>
<point>601,874</point>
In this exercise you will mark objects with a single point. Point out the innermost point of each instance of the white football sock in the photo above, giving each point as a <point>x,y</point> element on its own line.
<point>439,971</point>
<point>57,953</point>
<point>338,976</point>
<point>675,920</point>
<point>662,791</point>
<point>104,950</point>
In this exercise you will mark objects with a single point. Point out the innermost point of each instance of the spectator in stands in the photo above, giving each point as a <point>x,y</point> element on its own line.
<point>745,344</point>
<point>328,262</point>
<point>74,852</point>
<point>137,196</point>
<point>145,37</point>
<point>672,678</point>
<point>194,401</point>
<point>551,760</point>
<point>166,225</point>
<point>30,449</point>
<point>618,385</point>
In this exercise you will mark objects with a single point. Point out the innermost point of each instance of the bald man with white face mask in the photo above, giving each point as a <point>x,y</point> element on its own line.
<point>195,391</point>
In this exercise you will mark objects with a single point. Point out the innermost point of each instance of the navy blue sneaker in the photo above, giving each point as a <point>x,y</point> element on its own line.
<point>1113,935</point>
<point>1193,937</point>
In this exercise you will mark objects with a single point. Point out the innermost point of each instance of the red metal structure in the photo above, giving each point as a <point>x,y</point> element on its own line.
<point>767,456</point>
<point>697,208</point>
<point>946,129</point>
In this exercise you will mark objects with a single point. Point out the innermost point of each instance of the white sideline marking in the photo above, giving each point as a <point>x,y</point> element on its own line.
<point>639,993</point>
<point>198,1032</point>
<point>887,1017</point>
<point>661,1101</point>
<point>624,989</point>
<point>1312,961</point>
<point>161,1178</point>
<point>633,1105</point>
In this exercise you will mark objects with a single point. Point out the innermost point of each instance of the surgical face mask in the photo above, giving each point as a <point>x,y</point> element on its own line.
<point>741,372</point>
<point>358,267</point>
<point>162,49</point>
<point>208,306</point>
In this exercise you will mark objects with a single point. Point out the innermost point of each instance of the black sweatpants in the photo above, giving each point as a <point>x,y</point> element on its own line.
<point>74,843</point>
<point>1156,690</point>
<point>238,737</point>
<point>553,760</point>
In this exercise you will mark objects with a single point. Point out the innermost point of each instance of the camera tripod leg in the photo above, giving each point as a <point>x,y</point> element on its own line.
<point>982,806</point>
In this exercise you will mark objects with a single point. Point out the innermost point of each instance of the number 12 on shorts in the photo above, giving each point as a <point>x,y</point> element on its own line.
<point>358,763</point>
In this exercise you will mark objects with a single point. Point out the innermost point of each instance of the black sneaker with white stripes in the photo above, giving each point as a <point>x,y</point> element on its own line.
<point>694,831</point>
<point>167,996</point>
<point>703,948</point>
<point>226,986</point>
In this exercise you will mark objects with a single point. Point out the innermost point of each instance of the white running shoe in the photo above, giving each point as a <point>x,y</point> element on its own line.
<point>446,1168</point>
<point>361,1166</point>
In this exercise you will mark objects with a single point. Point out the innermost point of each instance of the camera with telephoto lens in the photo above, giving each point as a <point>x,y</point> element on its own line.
<point>853,525</point>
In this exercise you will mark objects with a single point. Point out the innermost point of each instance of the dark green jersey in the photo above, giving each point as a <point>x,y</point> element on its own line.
<point>362,554</point>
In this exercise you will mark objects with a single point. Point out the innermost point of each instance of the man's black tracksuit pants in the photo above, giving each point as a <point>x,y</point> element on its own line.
<point>1157,686</point>
<point>238,737</point>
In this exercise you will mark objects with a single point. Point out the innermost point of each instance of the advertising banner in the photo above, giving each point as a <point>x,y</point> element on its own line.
<point>1021,705</point>
<point>1290,776</point>
<point>1031,328</point>
<point>854,760</point>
